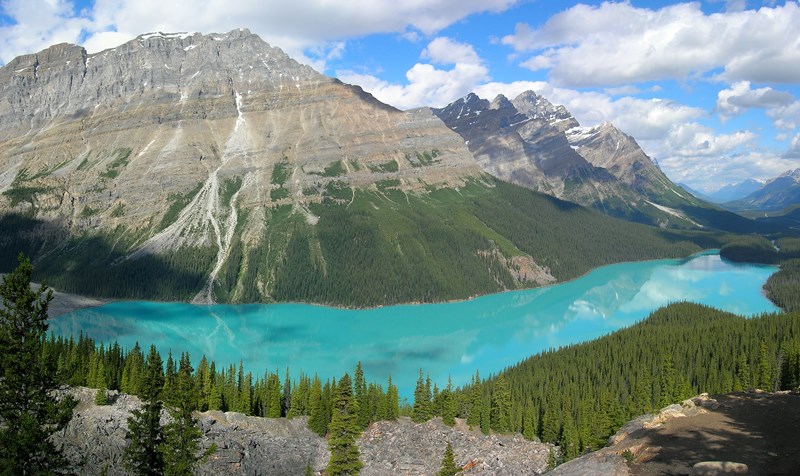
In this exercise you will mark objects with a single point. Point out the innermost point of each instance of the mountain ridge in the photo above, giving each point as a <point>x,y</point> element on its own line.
<point>535,144</point>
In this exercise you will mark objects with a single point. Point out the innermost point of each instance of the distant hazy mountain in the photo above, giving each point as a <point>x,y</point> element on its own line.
<point>738,191</point>
<point>776,194</point>
<point>695,192</point>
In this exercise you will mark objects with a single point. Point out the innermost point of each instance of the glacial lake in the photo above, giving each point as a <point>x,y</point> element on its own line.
<point>455,339</point>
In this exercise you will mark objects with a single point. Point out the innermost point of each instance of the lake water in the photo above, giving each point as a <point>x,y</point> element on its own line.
<point>452,339</point>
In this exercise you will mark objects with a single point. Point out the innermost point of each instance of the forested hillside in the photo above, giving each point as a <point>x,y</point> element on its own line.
<point>362,247</point>
<point>578,396</point>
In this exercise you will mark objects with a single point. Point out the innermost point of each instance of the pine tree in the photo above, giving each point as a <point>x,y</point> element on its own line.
<point>764,372</point>
<point>449,409</point>
<point>317,421</point>
<point>344,432</point>
<point>29,410</point>
<point>449,467</point>
<point>422,400</point>
<point>667,381</point>
<point>101,397</point>
<point>392,401</point>
<point>501,406</point>
<point>170,377</point>
<point>181,445</point>
<point>143,455</point>
<point>474,402</point>
<point>361,398</point>
<point>287,394</point>
<point>743,380</point>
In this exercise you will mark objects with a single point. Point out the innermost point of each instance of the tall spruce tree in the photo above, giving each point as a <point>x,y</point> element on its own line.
<point>143,455</point>
<point>422,400</point>
<point>449,466</point>
<point>29,409</point>
<point>181,446</point>
<point>344,432</point>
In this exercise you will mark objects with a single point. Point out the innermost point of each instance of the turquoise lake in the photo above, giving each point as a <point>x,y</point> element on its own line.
<point>455,339</point>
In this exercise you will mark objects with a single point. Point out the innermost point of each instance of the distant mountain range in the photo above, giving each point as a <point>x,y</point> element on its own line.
<point>726,193</point>
<point>776,194</point>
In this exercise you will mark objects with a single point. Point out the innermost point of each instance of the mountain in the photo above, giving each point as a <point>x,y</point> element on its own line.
<point>776,194</point>
<point>695,192</point>
<point>530,142</point>
<point>732,192</point>
<point>216,168</point>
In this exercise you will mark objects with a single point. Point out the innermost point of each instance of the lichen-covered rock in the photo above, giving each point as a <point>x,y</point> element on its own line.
<point>95,439</point>
<point>407,448</point>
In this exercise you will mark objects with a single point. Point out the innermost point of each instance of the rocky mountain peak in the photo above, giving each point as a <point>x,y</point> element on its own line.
<point>792,174</point>
<point>501,102</point>
<point>536,106</point>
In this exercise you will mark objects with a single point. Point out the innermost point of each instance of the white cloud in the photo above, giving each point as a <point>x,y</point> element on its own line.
<point>293,26</point>
<point>618,43</point>
<point>428,85</point>
<point>443,50</point>
<point>740,97</point>
<point>786,117</point>
<point>694,140</point>
<point>794,149</point>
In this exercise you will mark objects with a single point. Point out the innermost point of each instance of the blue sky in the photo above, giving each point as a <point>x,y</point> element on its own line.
<point>710,89</point>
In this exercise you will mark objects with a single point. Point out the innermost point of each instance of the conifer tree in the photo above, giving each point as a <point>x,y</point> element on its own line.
<point>449,409</point>
<point>501,406</point>
<point>143,456</point>
<point>361,397</point>
<point>422,400</point>
<point>743,380</point>
<point>667,381</point>
<point>344,432</point>
<point>170,376</point>
<point>286,401</point>
<point>474,402</point>
<point>181,444</point>
<point>317,421</point>
<point>29,410</point>
<point>764,372</point>
<point>449,467</point>
<point>392,401</point>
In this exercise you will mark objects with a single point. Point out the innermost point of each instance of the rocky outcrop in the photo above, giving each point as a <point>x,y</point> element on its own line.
<point>95,439</point>
<point>406,448</point>
<point>736,433</point>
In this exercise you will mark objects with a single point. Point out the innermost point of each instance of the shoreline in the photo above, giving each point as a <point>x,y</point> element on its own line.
<point>65,303</point>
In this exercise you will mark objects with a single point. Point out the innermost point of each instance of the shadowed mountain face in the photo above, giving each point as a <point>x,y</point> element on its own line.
<point>533,143</point>
<point>216,168</point>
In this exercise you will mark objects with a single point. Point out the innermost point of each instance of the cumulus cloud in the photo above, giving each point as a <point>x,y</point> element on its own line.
<point>428,85</point>
<point>695,140</point>
<point>740,97</point>
<point>294,26</point>
<point>618,43</point>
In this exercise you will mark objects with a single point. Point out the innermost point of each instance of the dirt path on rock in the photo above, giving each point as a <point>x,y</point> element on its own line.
<point>760,430</point>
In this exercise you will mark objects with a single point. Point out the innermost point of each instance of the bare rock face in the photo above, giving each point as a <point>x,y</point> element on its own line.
<point>533,143</point>
<point>163,113</point>
<point>94,442</point>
